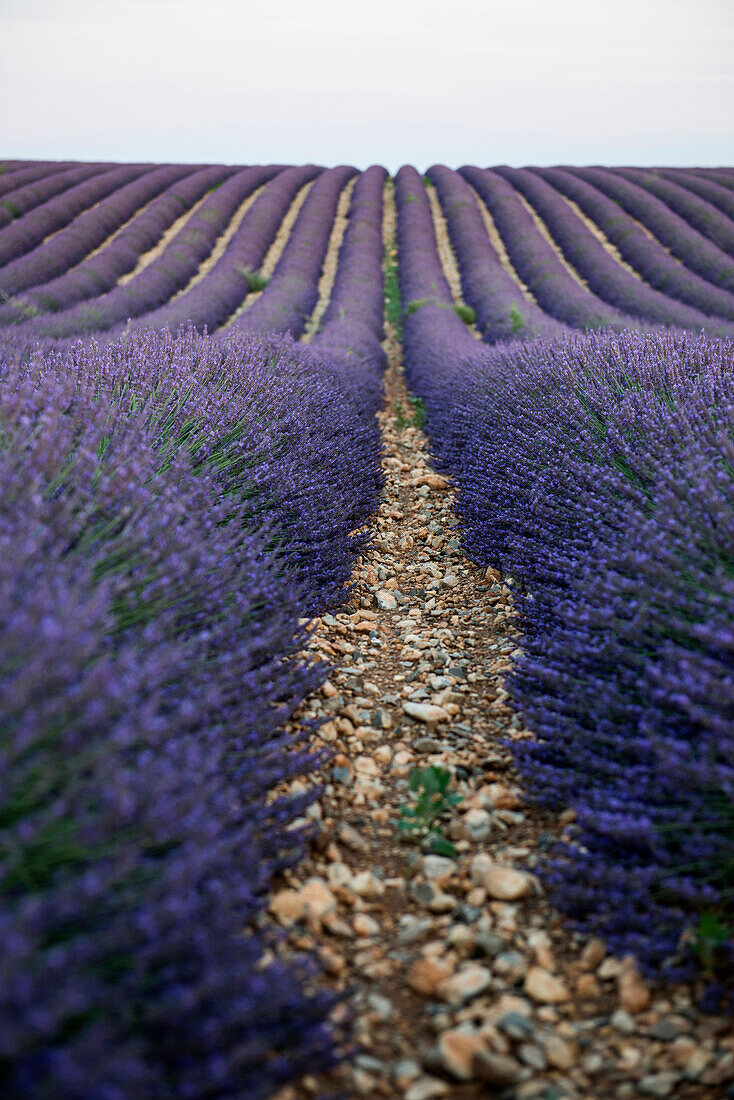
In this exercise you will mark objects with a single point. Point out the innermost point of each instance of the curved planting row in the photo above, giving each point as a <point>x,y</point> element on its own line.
<point>722,176</point>
<point>596,470</point>
<point>289,298</point>
<point>431,326</point>
<point>100,272</point>
<point>10,181</point>
<point>71,244</point>
<point>22,199</point>
<point>604,275</point>
<point>537,264</point>
<point>696,211</point>
<point>714,193</point>
<point>210,302</point>
<point>352,327</point>
<point>502,310</point>
<point>146,676</point>
<point>694,250</point>
<point>29,231</point>
<point>169,272</point>
<point>646,256</point>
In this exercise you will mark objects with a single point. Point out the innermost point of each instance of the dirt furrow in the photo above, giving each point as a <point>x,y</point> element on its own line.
<point>221,243</point>
<point>331,261</point>
<point>274,252</point>
<point>153,253</point>
<point>447,257</point>
<point>498,244</point>
<point>550,239</point>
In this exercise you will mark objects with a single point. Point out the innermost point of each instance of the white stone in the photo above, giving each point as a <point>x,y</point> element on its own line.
<point>425,712</point>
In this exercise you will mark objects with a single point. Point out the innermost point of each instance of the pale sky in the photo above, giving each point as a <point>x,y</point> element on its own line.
<point>390,81</point>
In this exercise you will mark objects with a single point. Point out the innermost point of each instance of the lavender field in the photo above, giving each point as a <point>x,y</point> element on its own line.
<point>196,366</point>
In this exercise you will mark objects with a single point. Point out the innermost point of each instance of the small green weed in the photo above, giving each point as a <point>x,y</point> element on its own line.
<point>419,412</point>
<point>418,822</point>
<point>417,420</point>
<point>466,313</point>
<point>253,279</point>
<point>415,305</point>
<point>517,321</point>
<point>710,935</point>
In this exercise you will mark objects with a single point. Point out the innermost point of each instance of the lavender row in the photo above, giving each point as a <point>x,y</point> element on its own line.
<point>214,299</point>
<point>29,231</point>
<point>147,675</point>
<point>431,328</point>
<point>694,210</point>
<point>647,256</point>
<point>604,275</point>
<point>100,272</point>
<point>722,176</point>
<point>292,293</point>
<point>75,241</point>
<point>596,471</point>
<point>689,246</point>
<point>714,193</point>
<point>31,173</point>
<point>168,273</point>
<point>24,198</point>
<point>555,289</point>
<point>502,310</point>
<point>352,327</point>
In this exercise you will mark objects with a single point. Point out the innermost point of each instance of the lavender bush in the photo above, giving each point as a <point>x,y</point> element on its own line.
<point>101,271</point>
<point>645,255</point>
<point>152,492</point>
<point>597,471</point>
<point>351,331</point>
<point>555,289</point>
<point>30,230</point>
<point>212,301</point>
<point>31,173</point>
<point>75,241</point>
<point>168,273</point>
<point>502,310</point>
<point>25,194</point>
<point>604,275</point>
<point>696,211</point>
<point>714,193</point>
<point>694,250</point>
<point>292,293</point>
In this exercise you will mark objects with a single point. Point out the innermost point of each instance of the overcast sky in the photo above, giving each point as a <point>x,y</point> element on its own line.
<point>386,81</point>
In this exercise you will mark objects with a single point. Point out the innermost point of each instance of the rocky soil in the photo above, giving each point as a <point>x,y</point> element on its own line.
<point>460,977</point>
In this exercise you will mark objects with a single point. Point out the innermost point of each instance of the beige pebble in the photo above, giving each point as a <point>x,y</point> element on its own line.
<point>506,884</point>
<point>634,994</point>
<point>425,975</point>
<point>543,986</point>
<point>457,1050</point>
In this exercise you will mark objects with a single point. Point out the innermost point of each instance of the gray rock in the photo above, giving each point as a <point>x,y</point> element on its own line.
<point>665,1030</point>
<point>622,1021</point>
<point>517,1026</point>
<point>533,1056</point>
<point>489,944</point>
<point>511,966</point>
<point>659,1084</point>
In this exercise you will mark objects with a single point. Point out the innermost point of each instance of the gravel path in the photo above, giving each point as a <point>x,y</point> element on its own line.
<point>460,977</point>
